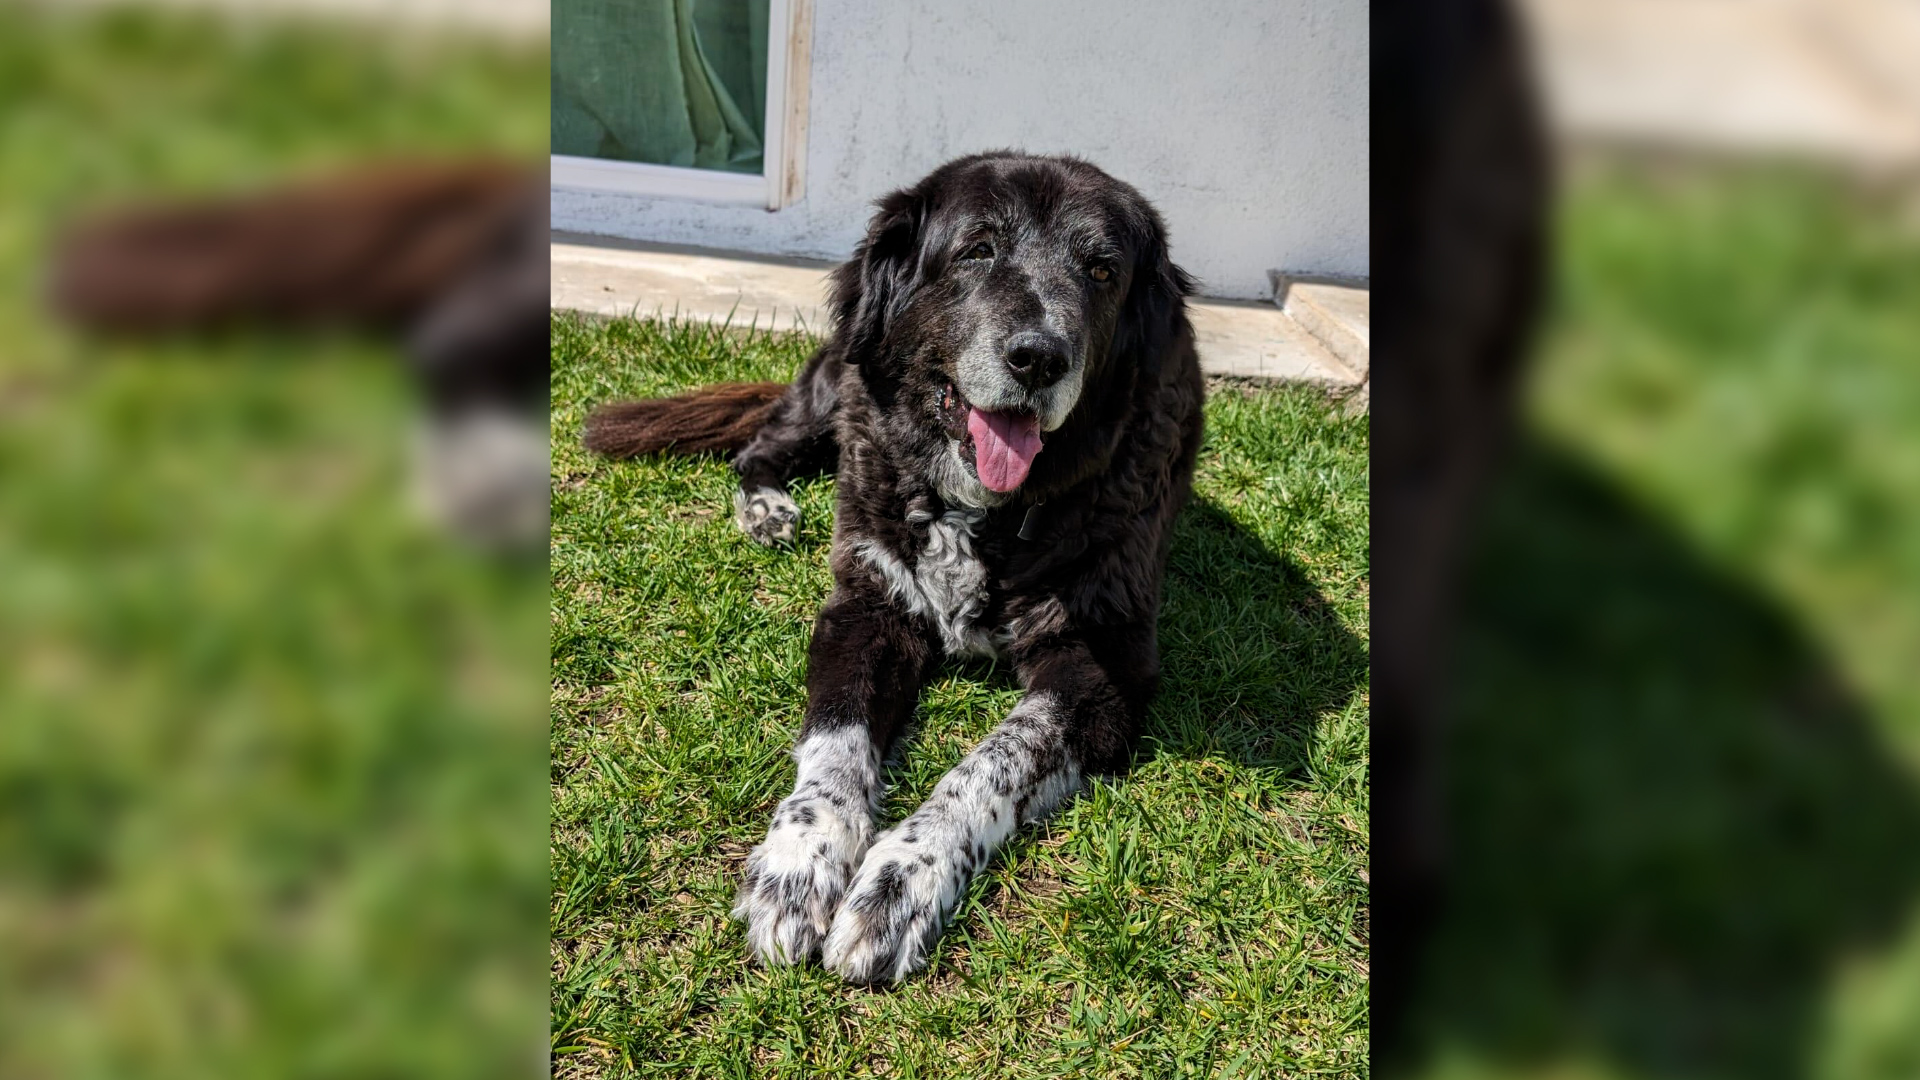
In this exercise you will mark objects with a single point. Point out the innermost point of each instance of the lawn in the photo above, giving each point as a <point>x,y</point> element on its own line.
<point>1686,750</point>
<point>270,759</point>
<point>1205,915</point>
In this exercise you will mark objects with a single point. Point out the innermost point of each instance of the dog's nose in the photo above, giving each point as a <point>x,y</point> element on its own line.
<point>1036,358</point>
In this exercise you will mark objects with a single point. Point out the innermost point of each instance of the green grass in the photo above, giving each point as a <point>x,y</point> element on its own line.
<point>1687,744</point>
<point>269,793</point>
<point>1205,915</point>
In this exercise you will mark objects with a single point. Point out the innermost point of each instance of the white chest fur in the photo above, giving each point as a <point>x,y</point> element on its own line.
<point>947,583</point>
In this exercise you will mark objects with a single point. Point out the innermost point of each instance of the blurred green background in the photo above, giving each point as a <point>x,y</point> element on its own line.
<point>1685,759</point>
<point>272,797</point>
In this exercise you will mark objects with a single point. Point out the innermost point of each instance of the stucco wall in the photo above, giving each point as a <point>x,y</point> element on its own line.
<point>1245,121</point>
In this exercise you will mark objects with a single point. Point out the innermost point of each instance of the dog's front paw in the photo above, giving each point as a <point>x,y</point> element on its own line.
<point>768,515</point>
<point>895,908</point>
<point>796,877</point>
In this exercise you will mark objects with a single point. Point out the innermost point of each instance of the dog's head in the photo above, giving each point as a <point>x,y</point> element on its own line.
<point>1002,306</point>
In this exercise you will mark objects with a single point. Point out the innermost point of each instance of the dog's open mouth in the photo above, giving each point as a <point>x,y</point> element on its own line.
<point>1001,444</point>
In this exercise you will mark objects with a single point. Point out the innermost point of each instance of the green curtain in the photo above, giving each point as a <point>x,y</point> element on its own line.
<point>671,82</point>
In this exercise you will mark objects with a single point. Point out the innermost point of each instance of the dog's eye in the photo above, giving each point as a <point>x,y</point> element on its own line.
<point>981,250</point>
<point>1099,272</point>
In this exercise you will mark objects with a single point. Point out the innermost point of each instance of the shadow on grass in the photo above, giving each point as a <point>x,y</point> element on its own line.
<point>1252,654</point>
<point>1668,819</point>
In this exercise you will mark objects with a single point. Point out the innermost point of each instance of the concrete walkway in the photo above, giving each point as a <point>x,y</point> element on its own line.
<point>613,277</point>
<point>1835,80</point>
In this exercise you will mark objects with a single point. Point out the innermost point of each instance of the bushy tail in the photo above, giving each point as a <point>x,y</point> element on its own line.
<point>381,244</point>
<point>717,418</point>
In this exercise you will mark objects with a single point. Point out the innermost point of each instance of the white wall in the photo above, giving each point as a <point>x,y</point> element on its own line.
<point>1245,121</point>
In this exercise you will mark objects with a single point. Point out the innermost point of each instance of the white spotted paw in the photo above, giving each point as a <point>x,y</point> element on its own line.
<point>795,878</point>
<point>768,515</point>
<point>895,908</point>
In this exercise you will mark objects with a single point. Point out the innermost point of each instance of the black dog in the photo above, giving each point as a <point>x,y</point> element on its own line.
<point>1013,403</point>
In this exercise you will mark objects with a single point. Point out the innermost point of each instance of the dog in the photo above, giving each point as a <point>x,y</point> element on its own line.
<point>1012,402</point>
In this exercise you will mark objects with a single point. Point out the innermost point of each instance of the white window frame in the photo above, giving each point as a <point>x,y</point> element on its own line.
<point>782,179</point>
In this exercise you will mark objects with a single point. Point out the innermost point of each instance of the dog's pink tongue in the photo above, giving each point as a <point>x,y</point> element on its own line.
<point>1004,445</point>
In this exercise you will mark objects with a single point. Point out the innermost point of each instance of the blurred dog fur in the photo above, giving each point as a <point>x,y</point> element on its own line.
<point>1461,190</point>
<point>451,256</point>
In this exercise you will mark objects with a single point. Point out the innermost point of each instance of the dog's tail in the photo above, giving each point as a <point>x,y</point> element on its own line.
<point>718,418</point>
<point>379,245</point>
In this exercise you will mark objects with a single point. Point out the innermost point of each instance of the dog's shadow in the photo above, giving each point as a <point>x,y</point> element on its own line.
<point>1671,821</point>
<point>1253,654</point>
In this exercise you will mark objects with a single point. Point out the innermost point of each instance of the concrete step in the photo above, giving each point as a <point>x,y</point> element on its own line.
<point>614,277</point>
<point>618,277</point>
<point>1252,340</point>
<point>1338,315</point>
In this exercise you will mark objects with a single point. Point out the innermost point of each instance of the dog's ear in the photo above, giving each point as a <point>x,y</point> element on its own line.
<point>1156,298</point>
<point>870,289</point>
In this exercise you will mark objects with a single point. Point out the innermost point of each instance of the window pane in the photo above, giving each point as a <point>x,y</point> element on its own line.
<point>671,82</point>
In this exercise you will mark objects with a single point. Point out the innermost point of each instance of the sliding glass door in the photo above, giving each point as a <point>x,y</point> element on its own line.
<point>679,83</point>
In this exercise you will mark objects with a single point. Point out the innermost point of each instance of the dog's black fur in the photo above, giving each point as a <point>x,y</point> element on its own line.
<point>984,250</point>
